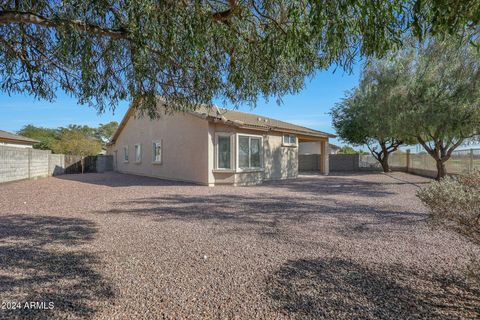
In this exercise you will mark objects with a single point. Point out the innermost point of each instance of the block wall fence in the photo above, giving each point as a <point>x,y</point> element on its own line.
<point>25,163</point>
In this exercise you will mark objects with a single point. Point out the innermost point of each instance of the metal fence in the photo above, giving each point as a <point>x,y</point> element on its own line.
<point>461,162</point>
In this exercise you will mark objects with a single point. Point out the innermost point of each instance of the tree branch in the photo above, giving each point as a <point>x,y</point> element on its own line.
<point>7,17</point>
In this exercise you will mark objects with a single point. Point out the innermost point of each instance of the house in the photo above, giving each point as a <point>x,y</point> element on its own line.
<point>13,140</point>
<point>212,146</point>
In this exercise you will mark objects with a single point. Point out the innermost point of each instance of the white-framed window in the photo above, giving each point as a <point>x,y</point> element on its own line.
<point>125,154</point>
<point>289,140</point>
<point>249,152</point>
<point>223,151</point>
<point>138,153</point>
<point>157,151</point>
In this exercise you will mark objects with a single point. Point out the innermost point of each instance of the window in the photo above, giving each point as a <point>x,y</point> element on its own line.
<point>125,154</point>
<point>138,153</point>
<point>224,151</point>
<point>157,152</point>
<point>249,152</point>
<point>290,140</point>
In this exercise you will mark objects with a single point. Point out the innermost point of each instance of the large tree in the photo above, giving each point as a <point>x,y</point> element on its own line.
<point>194,51</point>
<point>440,98</point>
<point>368,116</point>
<point>77,142</point>
<point>46,136</point>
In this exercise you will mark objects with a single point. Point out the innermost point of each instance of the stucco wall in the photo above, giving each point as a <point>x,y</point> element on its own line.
<point>309,148</point>
<point>279,162</point>
<point>184,147</point>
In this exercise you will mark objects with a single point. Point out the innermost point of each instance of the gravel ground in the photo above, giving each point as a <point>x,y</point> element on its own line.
<point>112,246</point>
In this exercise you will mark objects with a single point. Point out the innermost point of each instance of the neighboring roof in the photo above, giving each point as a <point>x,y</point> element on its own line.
<point>238,119</point>
<point>10,137</point>
<point>333,146</point>
<point>256,122</point>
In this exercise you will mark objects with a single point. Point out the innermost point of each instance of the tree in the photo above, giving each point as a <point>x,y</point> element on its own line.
<point>191,52</point>
<point>77,142</point>
<point>440,96</point>
<point>367,115</point>
<point>104,132</point>
<point>46,136</point>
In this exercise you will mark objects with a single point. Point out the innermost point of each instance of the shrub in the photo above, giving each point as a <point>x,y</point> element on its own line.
<point>455,202</point>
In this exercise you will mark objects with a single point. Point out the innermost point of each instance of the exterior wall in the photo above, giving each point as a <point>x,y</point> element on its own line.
<point>26,163</point>
<point>279,162</point>
<point>184,147</point>
<point>17,145</point>
<point>309,147</point>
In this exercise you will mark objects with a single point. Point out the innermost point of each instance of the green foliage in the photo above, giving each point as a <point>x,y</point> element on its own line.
<point>348,150</point>
<point>191,52</point>
<point>77,142</point>
<point>104,132</point>
<point>439,95</point>
<point>50,138</point>
<point>46,136</point>
<point>455,202</point>
<point>369,116</point>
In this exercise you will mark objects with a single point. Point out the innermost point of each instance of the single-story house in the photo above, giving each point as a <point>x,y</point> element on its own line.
<point>212,146</point>
<point>14,140</point>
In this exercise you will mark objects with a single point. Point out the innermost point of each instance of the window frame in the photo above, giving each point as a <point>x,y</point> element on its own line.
<point>232,148</point>
<point>154,155</point>
<point>126,155</point>
<point>237,149</point>
<point>139,160</point>
<point>289,144</point>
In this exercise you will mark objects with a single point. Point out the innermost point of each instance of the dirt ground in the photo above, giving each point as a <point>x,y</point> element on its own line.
<point>114,246</point>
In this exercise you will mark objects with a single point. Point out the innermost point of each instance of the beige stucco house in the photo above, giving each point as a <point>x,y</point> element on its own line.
<point>212,146</point>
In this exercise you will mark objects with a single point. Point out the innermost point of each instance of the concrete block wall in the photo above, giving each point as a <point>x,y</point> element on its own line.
<point>20,163</point>
<point>14,163</point>
<point>39,163</point>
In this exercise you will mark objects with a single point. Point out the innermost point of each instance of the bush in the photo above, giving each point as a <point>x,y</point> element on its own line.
<point>455,202</point>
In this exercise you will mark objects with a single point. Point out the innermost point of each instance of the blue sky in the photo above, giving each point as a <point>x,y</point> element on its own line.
<point>308,108</point>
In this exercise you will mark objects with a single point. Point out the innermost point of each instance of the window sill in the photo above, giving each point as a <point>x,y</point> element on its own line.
<point>223,171</point>
<point>289,145</point>
<point>125,161</point>
<point>138,162</point>
<point>157,162</point>
<point>250,170</point>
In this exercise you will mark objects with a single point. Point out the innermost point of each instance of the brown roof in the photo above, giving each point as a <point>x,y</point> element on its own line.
<point>253,121</point>
<point>10,137</point>
<point>237,119</point>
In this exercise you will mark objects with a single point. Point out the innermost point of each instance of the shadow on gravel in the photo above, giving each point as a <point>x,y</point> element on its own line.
<point>267,212</point>
<point>342,289</point>
<point>115,179</point>
<point>336,185</point>
<point>39,262</point>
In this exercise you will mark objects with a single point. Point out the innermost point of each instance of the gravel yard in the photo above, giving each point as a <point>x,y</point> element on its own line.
<point>113,246</point>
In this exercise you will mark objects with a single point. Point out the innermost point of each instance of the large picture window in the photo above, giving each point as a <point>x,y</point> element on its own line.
<point>224,151</point>
<point>157,152</point>
<point>249,152</point>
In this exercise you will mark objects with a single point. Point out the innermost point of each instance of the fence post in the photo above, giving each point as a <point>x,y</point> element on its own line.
<point>470,165</point>
<point>408,160</point>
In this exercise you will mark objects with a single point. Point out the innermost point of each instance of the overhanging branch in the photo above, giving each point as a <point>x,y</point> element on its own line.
<point>7,17</point>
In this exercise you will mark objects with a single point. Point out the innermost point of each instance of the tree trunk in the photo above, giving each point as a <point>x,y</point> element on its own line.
<point>82,163</point>
<point>384,163</point>
<point>441,170</point>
